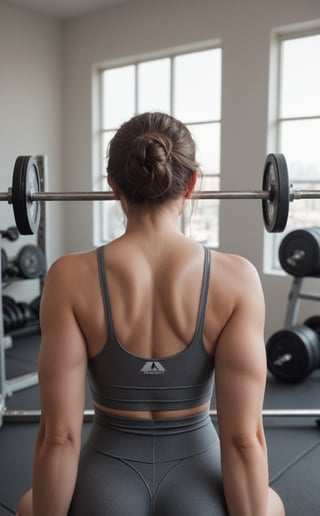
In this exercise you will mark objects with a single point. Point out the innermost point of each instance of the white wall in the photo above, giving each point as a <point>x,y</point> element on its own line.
<point>30,113</point>
<point>244,28</point>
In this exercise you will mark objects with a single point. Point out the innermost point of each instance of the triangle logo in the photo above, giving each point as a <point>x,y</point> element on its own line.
<point>153,367</point>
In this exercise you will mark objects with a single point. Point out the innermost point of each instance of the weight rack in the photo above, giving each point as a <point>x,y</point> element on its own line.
<point>9,386</point>
<point>295,295</point>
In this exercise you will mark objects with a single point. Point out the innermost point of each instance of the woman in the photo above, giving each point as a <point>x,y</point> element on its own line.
<point>151,315</point>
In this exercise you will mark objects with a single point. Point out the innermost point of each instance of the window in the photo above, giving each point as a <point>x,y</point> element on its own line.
<point>188,86</point>
<point>298,127</point>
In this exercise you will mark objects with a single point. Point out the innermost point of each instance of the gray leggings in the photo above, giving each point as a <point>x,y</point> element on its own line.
<point>132,467</point>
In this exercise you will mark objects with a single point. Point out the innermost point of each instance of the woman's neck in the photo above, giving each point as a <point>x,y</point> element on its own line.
<point>152,222</point>
<point>158,219</point>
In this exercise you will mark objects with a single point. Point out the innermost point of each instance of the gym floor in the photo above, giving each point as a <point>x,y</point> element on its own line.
<point>293,443</point>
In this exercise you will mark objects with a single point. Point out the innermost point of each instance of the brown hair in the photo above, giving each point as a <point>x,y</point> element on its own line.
<point>151,158</point>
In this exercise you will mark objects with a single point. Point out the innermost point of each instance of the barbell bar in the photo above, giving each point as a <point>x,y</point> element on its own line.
<point>276,194</point>
<point>33,416</point>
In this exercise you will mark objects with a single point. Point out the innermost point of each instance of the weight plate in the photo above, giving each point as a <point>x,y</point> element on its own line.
<point>313,322</point>
<point>9,318</point>
<point>35,306</point>
<point>31,261</point>
<point>292,353</point>
<point>6,322</point>
<point>299,252</point>
<point>275,209</point>
<point>25,182</point>
<point>19,317</point>
<point>26,312</point>
<point>11,310</point>
<point>8,300</point>
<point>4,263</point>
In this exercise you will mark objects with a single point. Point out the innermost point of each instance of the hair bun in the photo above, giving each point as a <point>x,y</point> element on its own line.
<point>151,148</point>
<point>150,164</point>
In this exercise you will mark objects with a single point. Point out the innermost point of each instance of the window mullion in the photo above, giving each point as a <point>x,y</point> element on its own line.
<point>172,86</point>
<point>136,86</point>
<point>298,118</point>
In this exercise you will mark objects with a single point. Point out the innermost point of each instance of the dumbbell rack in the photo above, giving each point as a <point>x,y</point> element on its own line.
<point>9,386</point>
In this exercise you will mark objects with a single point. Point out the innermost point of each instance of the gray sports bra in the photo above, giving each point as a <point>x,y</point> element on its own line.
<point>120,380</point>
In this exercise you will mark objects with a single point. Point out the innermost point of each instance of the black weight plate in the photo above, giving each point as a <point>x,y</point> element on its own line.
<point>275,209</point>
<point>26,312</point>
<point>31,261</point>
<point>9,308</point>
<point>35,306</point>
<point>9,318</point>
<point>313,322</point>
<point>6,321</point>
<point>291,353</point>
<point>19,316</point>
<point>8,300</point>
<point>25,182</point>
<point>299,252</point>
<point>4,263</point>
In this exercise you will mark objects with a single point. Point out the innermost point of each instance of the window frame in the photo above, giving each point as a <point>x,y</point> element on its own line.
<point>272,241</point>
<point>99,174</point>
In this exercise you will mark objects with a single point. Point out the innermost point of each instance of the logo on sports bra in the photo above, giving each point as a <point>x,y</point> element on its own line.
<point>153,368</point>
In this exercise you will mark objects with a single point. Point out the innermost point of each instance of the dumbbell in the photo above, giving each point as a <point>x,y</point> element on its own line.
<point>15,314</point>
<point>35,306</point>
<point>29,263</point>
<point>12,316</point>
<point>26,312</point>
<point>299,252</point>
<point>10,234</point>
<point>294,353</point>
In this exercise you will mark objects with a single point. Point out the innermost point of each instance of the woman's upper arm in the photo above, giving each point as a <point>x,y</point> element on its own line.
<point>240,359</point>
<point>63,357</point>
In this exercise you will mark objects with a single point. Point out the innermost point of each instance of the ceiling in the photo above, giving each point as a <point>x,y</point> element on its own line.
<point>65,9</point>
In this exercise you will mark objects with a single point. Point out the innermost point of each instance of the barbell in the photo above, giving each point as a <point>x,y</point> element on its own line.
<point>33,416</point>
<point>276,194</point>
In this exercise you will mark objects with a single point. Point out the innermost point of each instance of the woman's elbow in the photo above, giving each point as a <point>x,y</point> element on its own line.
<point>58,435</point>
<point>246,441</point>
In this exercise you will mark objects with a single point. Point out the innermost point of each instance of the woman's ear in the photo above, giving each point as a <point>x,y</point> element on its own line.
<point>113,187</point>
<point>191,184</point>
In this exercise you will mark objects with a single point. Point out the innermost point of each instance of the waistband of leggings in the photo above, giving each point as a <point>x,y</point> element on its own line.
<point>159,440</point>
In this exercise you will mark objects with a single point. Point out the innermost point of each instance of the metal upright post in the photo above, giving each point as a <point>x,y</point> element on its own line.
<point>2,368</point>
<point>293,303</point>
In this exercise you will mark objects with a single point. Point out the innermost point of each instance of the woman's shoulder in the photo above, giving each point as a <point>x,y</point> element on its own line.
<point>233,261</point>
<point>238,269</point>
<point>72,264</point>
